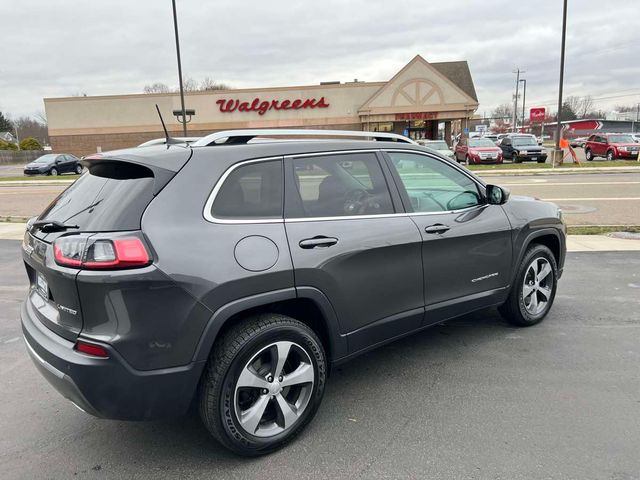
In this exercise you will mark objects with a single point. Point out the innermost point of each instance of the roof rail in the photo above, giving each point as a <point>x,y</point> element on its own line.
<point>228,137</point>
<point>163,141</point>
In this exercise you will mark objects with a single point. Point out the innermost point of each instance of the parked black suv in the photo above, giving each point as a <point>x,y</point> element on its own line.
<point>519,148</point>
<point>234,274</point>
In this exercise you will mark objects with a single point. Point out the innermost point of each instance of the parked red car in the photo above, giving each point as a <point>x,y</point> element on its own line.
<point>477,150</point>
<point>611,146</point>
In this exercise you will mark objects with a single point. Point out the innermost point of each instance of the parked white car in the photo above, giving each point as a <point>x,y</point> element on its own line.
<point>439,146</point>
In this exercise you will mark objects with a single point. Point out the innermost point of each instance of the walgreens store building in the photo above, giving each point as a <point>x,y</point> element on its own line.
<point>423,100</point>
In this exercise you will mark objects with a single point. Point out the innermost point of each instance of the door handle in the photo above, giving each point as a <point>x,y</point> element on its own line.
<point>319,241</point>
<point>437,228</point>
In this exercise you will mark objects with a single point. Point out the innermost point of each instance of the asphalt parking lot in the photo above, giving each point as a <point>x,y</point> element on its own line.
<point>471,399</point>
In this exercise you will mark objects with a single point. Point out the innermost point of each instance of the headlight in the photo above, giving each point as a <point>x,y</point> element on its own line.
<point>559,214</point>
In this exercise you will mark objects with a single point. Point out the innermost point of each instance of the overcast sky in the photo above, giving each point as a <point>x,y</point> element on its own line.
<point>59,48</point>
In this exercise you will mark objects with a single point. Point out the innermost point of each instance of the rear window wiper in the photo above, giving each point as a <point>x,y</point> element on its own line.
<point>48,226</point>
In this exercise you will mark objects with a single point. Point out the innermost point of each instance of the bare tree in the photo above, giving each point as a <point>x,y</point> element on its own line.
<point>504,111</point>
<point>30,127</point>
<point>41,117</point>
<point>573,103</point>
<point>209,84</point>
<point>190,85</point>
<point>157,87</point>
<point>586,106</point>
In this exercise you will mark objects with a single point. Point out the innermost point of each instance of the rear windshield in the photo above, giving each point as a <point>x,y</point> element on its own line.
<point>524,141</point>
<point>108,197</point>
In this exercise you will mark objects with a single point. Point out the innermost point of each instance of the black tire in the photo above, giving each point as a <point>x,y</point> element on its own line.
<point>514,309</point>
<point>241,343</point>
<point>467,160</point>
<point>542,160</point>
<point>610,155</point>
<point>78,169</point>
<point>588,154</point>
<point>53,171</point>
<point>515,158</point>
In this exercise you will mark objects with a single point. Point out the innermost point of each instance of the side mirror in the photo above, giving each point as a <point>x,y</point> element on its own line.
<point>497,195</point>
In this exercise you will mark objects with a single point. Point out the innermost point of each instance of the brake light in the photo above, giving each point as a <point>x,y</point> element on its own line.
<point>92,349</point>
<point>101,254</point>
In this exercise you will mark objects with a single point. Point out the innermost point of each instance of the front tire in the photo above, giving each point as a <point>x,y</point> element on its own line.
<point>78,169</point>
<point>54,172</point>
<point>588,155</point>
<point>610,155</point>
<point>263,383</point>
<point>534,290</point>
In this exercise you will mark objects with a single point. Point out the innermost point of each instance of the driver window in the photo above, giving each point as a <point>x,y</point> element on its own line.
<point>434,186</point>
<point>342,185</point>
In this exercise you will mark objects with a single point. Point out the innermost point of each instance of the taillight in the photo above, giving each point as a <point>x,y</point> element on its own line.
<point>92,349</point>
<point>101,254</point>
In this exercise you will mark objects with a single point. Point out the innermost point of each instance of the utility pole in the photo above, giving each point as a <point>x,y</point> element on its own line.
<point>515,100</point>
<point>558,152</point>
<point>524,98</point>
<point>175,28</point>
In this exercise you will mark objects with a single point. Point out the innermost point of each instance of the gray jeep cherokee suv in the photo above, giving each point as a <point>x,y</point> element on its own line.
<point>232,274</point>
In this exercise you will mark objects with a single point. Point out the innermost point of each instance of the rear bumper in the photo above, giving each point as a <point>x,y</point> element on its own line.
<point>108,388</point>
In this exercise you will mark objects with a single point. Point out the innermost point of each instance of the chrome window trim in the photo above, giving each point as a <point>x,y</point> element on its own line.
<point>209,203</point>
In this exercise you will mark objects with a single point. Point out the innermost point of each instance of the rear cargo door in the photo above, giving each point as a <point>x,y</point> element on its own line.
<point>110,197</point>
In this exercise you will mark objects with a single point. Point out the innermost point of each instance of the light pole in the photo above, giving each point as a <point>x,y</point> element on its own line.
<point>524,98</point>
<point>175,28</point>
<point>558,152</point>
<point>515,99</point>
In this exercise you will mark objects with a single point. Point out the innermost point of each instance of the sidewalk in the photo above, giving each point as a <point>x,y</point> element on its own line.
<point>575,243</point>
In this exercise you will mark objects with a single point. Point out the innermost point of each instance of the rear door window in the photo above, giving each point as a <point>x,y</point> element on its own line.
<point>251,191</point>
<point>337,185</point>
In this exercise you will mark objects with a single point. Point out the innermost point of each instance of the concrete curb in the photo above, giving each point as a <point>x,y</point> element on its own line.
<point>558,171</point>
<point>39,183</point>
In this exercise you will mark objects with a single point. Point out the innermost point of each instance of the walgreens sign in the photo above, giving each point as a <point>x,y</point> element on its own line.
<point>263,106</point>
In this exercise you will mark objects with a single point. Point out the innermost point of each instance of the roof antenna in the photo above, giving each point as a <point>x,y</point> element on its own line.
<point>168,139</point>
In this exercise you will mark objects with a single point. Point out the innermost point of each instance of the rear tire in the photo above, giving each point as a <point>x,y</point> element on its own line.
<point>240,406</point>
<point>588,154</point>
<point>534,288</point>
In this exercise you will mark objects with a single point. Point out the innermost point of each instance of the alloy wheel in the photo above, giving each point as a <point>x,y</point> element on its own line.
<point>273,389</point>
<point>537,286</point>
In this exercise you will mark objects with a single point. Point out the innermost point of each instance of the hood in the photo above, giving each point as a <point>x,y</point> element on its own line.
<point>626,144</point>
<point>526,148</point>
<point>485,149</point>
<point>34,165</point>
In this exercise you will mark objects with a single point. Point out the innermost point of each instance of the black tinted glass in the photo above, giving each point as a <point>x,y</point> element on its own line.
<point>341,185</point>
<point>251,191</point>
<point>109,197</point>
